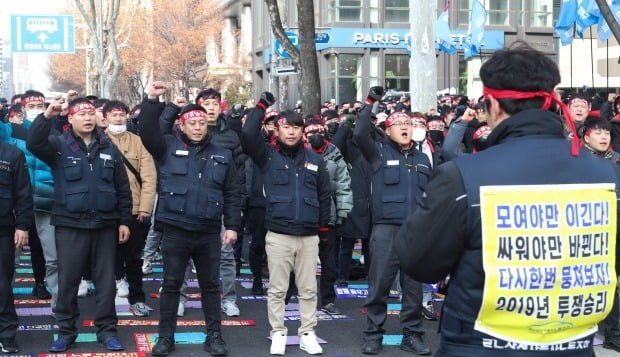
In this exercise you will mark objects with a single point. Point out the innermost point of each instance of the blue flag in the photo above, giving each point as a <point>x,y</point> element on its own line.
<point>566,21</point>
<point>475,34</point>
<point>602,28</point>
<point>587,15</point>
<point>443,34</point>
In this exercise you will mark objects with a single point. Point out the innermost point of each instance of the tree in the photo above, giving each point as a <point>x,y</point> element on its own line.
<point>304,59</point>
<point>101,23</point>
<point>181,29</point>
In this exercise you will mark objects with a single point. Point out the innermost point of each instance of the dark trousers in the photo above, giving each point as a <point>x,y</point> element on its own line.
<point>178,245</point>
<point>327,254</point>
<point>8,317</point>
<point>129,260</point>
<point>256,225</point>
<point>385,265</point>
<point>346,255</point>
<point>610,324</point>
<point>36,256</point>
<point>78,248</point>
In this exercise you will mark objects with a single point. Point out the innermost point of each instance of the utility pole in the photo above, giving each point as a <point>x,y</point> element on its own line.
<point>423,62</point>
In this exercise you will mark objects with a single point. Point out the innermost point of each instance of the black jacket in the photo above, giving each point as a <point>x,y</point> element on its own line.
<point>16,205</point>
<point>260,152</point>
<point>357,224</point>
<point>156,140</point>
<point>220,135</point>
<point>47,147</point>
<point>447,230</point>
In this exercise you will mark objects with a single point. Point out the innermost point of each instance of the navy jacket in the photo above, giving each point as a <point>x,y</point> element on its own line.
<point>16,206</point>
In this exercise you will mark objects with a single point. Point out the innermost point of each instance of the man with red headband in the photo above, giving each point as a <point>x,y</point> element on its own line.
<point>91,213</point>
<point>526,229</point>
<point>399,174</point>
<point>198,189</point>
<point>297,199</point>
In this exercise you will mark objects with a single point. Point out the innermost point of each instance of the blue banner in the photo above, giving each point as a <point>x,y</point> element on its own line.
<point>476,28</point>
<point>566,21</point>
<point>443,33</point>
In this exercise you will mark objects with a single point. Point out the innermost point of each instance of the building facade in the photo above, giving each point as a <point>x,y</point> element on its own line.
<point>362,43</point>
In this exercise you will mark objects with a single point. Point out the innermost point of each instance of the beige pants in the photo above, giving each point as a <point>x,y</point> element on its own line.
<point>286,253</point>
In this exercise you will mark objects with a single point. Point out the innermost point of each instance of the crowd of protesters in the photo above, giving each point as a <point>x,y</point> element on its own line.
<point>86,179</point>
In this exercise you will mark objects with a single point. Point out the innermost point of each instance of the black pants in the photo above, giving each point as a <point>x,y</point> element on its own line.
<point>178,245</point>
<point>36,256</point>
<point>383,270</point>
<point>76,249</point>
<point>346,255</point>
<point>129,259</point>
<point>8,316</point>
<point>327,253</point>
<point>256,225</point>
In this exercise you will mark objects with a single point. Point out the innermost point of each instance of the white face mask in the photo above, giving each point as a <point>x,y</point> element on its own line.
<point>32,114</point>
<point>418,135</point>
<point>117,129</point>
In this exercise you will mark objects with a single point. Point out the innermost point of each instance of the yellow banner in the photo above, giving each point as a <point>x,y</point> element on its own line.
<point>548,256</point>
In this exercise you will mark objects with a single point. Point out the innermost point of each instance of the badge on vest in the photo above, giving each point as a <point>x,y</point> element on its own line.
<point>105,157</point>
<point>393,162</point>
<point>181,153</point>
<point>312,167</point>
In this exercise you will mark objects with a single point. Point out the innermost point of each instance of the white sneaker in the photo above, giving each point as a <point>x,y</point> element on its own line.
<point>122,288</point>
<point>83,288</point>
<point>308,343</point>
<point>147,267</point>
<point>230,308</point>
<point>278,343</point>
<point>181,309</point>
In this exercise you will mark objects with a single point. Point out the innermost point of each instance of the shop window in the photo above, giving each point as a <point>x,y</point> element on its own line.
<point>344,77</point>
<point>345,11</point>
<point>397,11</point>
<point>397,72</point>
<point>541,13</point>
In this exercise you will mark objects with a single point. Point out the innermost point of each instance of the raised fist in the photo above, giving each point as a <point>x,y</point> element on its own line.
<point>267,98</point>
<point>376,93</point>
<point>156,89</point>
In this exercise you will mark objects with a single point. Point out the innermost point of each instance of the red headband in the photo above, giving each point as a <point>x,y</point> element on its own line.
<point>314,127</point>
<point>396,116</point>
<point>418,120</point>
<point>548,96</point>
<point>481,131</point>
<point>114,111</point>
<point>193,114</point>
<point>210,96</point>
<point>80,107</point>
<point>436,125</point>
<point>33,99</point>
<point>578,100</point>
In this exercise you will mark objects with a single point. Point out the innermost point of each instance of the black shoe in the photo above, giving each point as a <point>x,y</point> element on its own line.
<point>61,344</point>
<point>372,346</point>
<point>40,291</point>
<point>257,286</point>
<point>112,344</point>
<point>8,345</point>
<point>414,343</point>
<point>330,309</point>
<point>215,345</point>
<point>164,346</point>
<point>612,342</point>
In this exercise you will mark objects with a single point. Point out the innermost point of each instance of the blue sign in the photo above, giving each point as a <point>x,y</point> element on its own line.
<point>42,33</point>
<point>398,38</point>
<point>322,37</point>
<point>294,40</point>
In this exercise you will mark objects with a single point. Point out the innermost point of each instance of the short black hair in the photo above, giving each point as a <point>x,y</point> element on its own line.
<point>114,105</point>
<point>209,92</point>
<point>98,103</point>
<point>291,116</point>
<point>593,123</point>
<point>521,68</point>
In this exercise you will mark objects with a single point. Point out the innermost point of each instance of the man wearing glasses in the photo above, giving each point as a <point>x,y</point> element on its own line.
<point>400,173</point>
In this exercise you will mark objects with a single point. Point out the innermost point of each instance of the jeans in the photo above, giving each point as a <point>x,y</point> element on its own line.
<point>228,273</point>
<point>48,243</point>
<point>178,246</point>
<point>153,239</point>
